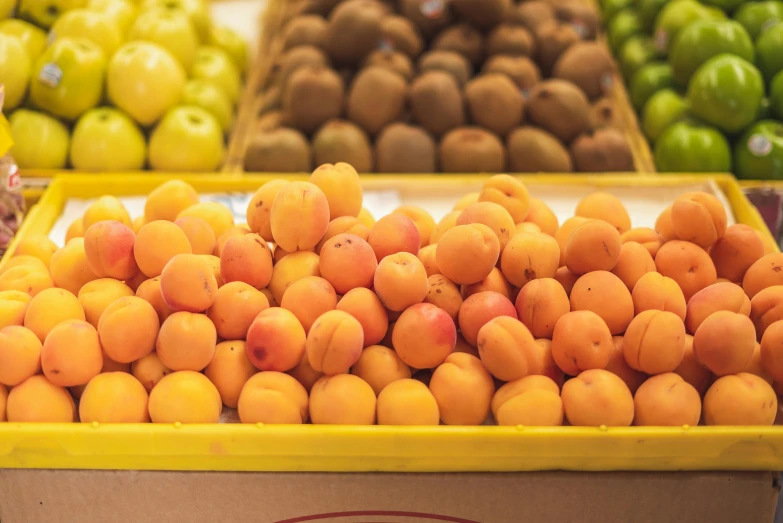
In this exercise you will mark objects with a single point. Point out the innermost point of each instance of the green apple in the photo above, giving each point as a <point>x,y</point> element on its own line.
<point>6,8</point>
<point>43,13</point>
<point>205,94</point>
<point>15,67</point>
<point>33,38</point>
<point>145,81</point>
<point>40,141</point>
<point>725,5</point>
<point>214,65</point>
<point>68,77</point>
<point>123,12</point>
<point>92,25</point>
<point>776,95</point>
<point>188,138</point>
<point>661,111</point>
<point>609,8</point>
<point>648,80</point>
<point>673,18</point>
<point>635,52</point>
<point>769,51</point>
<point>170,29</point>
<point>231,43</point>
<point>624,25</point>
<point>726,91</point>
<point>106,139</point>
<point>692,147</point>
<point>757,16</point>
<point>197,10</point>
<point>703,39</point>
<point>758,154</point>
<point>648,12</point>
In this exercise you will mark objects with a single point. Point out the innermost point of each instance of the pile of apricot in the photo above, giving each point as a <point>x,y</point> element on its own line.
<point>314,312</point>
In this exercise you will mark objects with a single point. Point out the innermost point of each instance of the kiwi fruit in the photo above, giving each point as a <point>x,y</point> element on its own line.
<point>313,95</point>
<point>376,98</point>
<point>429,17</point>
<point>531,15</point>
<point>394,61</point>
<point>494,102</point>
<point>353,31</point>
<point>404,148</point>
<point>604,114</point>
<point>463,39</point>
<point>436,102</point>
<point>278,150</point>
<point>318,7</point>
<point>522,70</point>
<point>402,35</point>
<point>560,107</point>
<point>533,150</point>
<point>295,58</point>
<point>552,39</point>
<point>304,30</point>
<point>268,121</point>
<point>471,150</point>
<point>342,141</point>
<point>583,18</point>
<point>448,61</point>
<point>603,150</point>
<point>483,14</point>
<point>589,66</point>
<point>511,40</point>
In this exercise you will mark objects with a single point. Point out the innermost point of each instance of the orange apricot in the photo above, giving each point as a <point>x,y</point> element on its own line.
<point>37,245</point>
<point>664,226</point>
<point>231,232</point>
<point>344,225</point>
<point>380,366</point>
<point>479,309</point>
<point>75,230</point>
<point>687,264</point>
<point>274,398</point>
<point>766,308</point>
<point>308,298</point>
<point>463,390</point>
<point>692,370</point>
<point>724,342</point>
<point>606,207</point>
<point>186,341</point>
<point>424,223</point>
<point>698,218</point>
<point>736,251</point>
<point>276,340</point>
<point>530,256</point>
<point>531,401</point>
<point>424,335</point>
<point>407,402</point>
<point>756,366</point>
<point>765,272</point>
<point>740,399</point>
<point>495,282</point>
<point>24,261</point>
<point>13,306</point>
<point>97,295</point>
<point>364,305</point>
<point>448,221</point>
<point>342,187</point>
<point>229,370</point>
<point>654,342</point>
<point>466,200</point>
<point>149,290</point>
<point>49,308</point>
<point>69,267</point>
<point>149,370</point>
<point>717,297</point>
<point>528,227</point>
<point>654,291</point>
<point>392,234</point>
<point>597,397</point>
<point>493,216</point>
<point>342,399</point>
<point>566,278</point>
<point>564,232</point>
<point>157,243</point>
<point>199,233</point>
<point>305,374</point>
<point>507,348</point>
<point>169,199</point>
<point>593,246</point>
<point>540,214</point>
<point>71,354</point>
<point>508,192</point>
<point>400,281</point>
<point>772,350</point>
<point>236,306</point>
<point>581,341</point>
<point>217,215</point>
<point>128,329</point>
<point>39,400</point>
<point>27,279</point>
<point>466,254</point>
<point>299,216</point>
<point>427,257</point>
<point>334,343</point>
<point>109,250</point>
<point>105,208</point>
<point>644,236</point>
<point>442,293</point>
<point>188,283</point>
<point>545,363</point>
<point>666,400</point>
<point>348,262</point>
<point>634,262</point>
<point>540,304</point>
<point>246,258</point>
<point>20,355</point>
<point>619,367</point>
<point>259,209</point>
<point>114,397</point>
<point>186,397</point>
<point>605,294</point>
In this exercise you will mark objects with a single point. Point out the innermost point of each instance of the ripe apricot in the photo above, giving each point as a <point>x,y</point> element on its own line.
<point>299,216</point>
<point>334,342</point>
<point>545,363</point>
<point>39,400</point>
<point>772,350</point>
<point>508,192</point>
<point>593,246</point>
<point>400,281</point>
<point>246,258</point>
<point>24,261</point>
<point>493,216</point>
<point>37,245</point>
<point>448,221</point>
<point>765,272</point>
<point>69,267</point>
<point>692,370</point>
<point>466,254</point>
<point>654,342</point>
<point>344,225</point>
<point>128,329</point>
<point>634,262</point>
<point>230,233</point>
<point>424,335</point>
<point>740,399</point>
<point>28,279</point>
<point>687,264</point>
<point>724,342</point>
<point>75,230</point>
<point>105,208</point>
<point>348,262</point>
<point>149,370</point>
<point>186,341</point>
<point>71,354</point>
<point>563,234</point>
<point>528,227</point>
<point>308,298</point>
<point>605,294</point>
<point>199,233</point>
<point>137,223</point>
<point>465,200</point>
<point>531,401</point>
<point>666,400</point>
<point>407,402</point>
<point>427,257</point>
<point>236,306</point>
<point>97,295</point>
<point>259,208</point>
<point>717,297</point>
<point>274,398</point>
<point>620,368</point>
<point>109,250</point>
<point>507,348</point>
<point>49,308</point>
<point>392,234</point>
<point>540,304</point>
<point>736,251</point>
<point>530,256</point>
<point>766,308</point>
<point>698,218</point>
<point>276,340</point>
<point>479,309</point>
<point>366,307</point>
<point>581,341</point>
<point>13,306</point>
<point>423,221</point>
<point>114,397</point>
<point>644,236</point>
<point>293,267</point>
<point>755,366</point>
<point>606,207</point>
<point>150,291</point>
<point>540,214</point>
<point>597,397</point>
<point>305,374</point>
<point>188,283</point>
<point>20,355</point>
<point>186,397</point>
<point>442,293</point>
<point>3,403</point>
<point>229,370</point>
<point>664,226</point>
<point>380,366</point>
<point>654,291</point>
<point>566,278</point>
<point>157,243</point>
<point>495,281</point>
<point>342,187</point>
<point>463,389</point>
<point>342,399</point>
<point>169,199</point>
<point>217,215</point>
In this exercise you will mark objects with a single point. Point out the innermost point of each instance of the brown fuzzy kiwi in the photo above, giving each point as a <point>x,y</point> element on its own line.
<point>604,150</point>
<point>512,40</point>
<point>448,61</point>
<point>304,30</point>
<point>471,150</point>
<point>268,121</point>
<point>376,98</point>
<point>404,148</point>
<point>533,150</point>
<point>582,17</point>
<point>463,39</point>
<point>588,65</point>
<point>295,58</point>
<point>342,141</point>
<point>522,70</point>
<point>393,61</point>
<point>428,22</point>
<point>313,95</point>
<point>278,150</point>
<point>531,15</point>
<point>552,39</point>
<point>494,102</point>
<point>318,7</point>
<point>402,35</point>
<point>436,102</point>
<point>353,31</point>
<point>483,14</point>
<point>560,107</point>
<point>604,114</point>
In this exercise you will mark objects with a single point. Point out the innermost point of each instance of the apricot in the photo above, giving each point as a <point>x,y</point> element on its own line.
<point>364,305</point>
<point>698,218</point>
<point>564,232</point>
<point>69,267</point>
<point>114,397</point>
<point>606,207</point>
<point>479,309</point>
<point>407,402</point>
<point>466,254</point>
<point>344,225</point>
<point>75,230</point>
<point>687,264</point>
<point>156,244</point>
<point>400,281</point>
<point>150,291</point>
<point>566,279</point>
<point>97,295</point>
<point>342,187</point>
<point>231,232</point>
<point>186,397</point>
<point>463,389</point>
<point>49,308</point>
<point>545,363</point>
<point>465,200</point>
<point>654,342</point>
<point>716,297</point>
<point>305,374</point>
<point>540,214</point>
<point>442,293</point>
<point>246,258</point>
<point>392,234</point>
<point>199,233</point>
<point>259,208</point>
<point>105,208</point>
<point>507,349</point>
<point>109,250</point>
<point>26,278</point>
<point>448,221</point>
<point>755,366</point>
<point>427,257</point>
<point>20,355</point>
<point>137,223</point>
<point>528,227</point>
<point>634,262</point>
<point>36,245</point>
<point>334,342</point>
<point>149,370</point>
<point>493,216</point>
<point>666,400</point>
<point>581,341</point>
<point>379,366</point>
<point>299,216</point>
<point>422,219</point>
<point>606,295</point>
<point>765,272</point>
<point>772,350</point>
<point>736,251</point>
<point>654,291</point>
<point>508,192</point>
<point>593,246</point>
<point>531,401</point>
<point>274,398</point>
<point>740,399</point>
<point>217,215</point>
<point>308,298</point>
<point>236,306</point>
<point>342,399</point>
<point>530,256</point>
<point>276,340</point>
<point>724,342</point>
<point>39,400</point>
<point>620,368</point>
<point>188,283</point>
<point>366,218</point>
<point>214,263</point>
<point>597,397</point>
<point>3,403</point>
<point>424,335</point>
<point>229,370</point>
<point>13,306</point>
<point>128,329</point>
<point>463,346</point>
<point>766,308</point>
<point>71,354</point>
<point>169,199</point>
<point>347,262</point>
<point>645,237</point>
<point>495,282</point>
<point>540,304</point>
<point>691,369</point>
<point>186,341</point>
<point>23,261</point>
<point>664,226</point>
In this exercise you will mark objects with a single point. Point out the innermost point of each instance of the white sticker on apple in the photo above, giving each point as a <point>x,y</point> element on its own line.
<point>50,75</point>
<point>759,145</point>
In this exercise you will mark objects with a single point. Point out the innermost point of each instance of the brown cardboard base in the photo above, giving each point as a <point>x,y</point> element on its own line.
<point>66,496</point>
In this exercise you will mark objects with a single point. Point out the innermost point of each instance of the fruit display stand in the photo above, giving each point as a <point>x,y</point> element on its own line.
<point>95,472</point>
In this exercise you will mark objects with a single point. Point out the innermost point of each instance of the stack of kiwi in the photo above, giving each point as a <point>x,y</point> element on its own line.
<point>418,86</point>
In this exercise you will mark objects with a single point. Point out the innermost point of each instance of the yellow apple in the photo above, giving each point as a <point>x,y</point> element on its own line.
<point>106,139</point>
<point>208,96</point>
<point>214,65</point>
<point>122,12</point>
<point>33,38</point>
<point>189,139</point>
<point>40,141</point>
<point>92,25</point>
<point>43,13</point>
<point>15,66</point>
<point>231,43</point>
<point>145,81</point>
<point>197,11</point>
<point>6,8</point>
<point>68,78</point>
<point>169,28</point>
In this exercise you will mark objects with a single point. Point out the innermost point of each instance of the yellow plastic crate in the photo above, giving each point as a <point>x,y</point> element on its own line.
<point>262,447</point>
